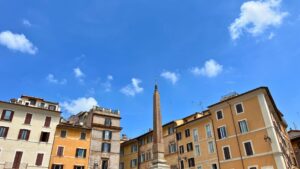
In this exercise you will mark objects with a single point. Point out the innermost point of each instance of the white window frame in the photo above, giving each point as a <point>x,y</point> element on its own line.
<point>209,147</point>
<point>253,166</point>
<point>225,132</point>
<point>246,124</point>
<point>242,107</point>
<point>196,150</point>
<point>222,114</point>
<point>245,153</point>
<point>210,128</point>
<point>228,146</point>
<point>195,129</point>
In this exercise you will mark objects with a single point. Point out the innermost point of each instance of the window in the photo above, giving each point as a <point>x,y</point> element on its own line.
<point>60,151</point>
<point>219,115</point>
<point>47,122</point>
<point>172,147</point>
<point>78,167</point>
<point>170,130</point>
<point>189,147</point>
<point>148,155</point>
<point>107,122</point>
<point>243,126</point>
<point>133,163</point>
<point>134,148</point>
<point>239,108</point>
<point>3,131</point>
<point>52,107</point>
<point>149,139</point>
<point>197,150</point>
<point>63,133</point>
<point>28,118</point>
<point>248,148</point>
<point>44,136</point>
<point>39,159</point>
<point>208,131</point>
<point>81,153</point>
<point>142,157</point>
<point>187,133</point>
<point>121,165</point>
<point>24,134</point>
<point>226,152</point>
<point>222,132</point>
<point>104,164</point>
<point>178,136</point>
<point>252,167</point>
<point>195,135</point>
<point>7,115</point>
<point>57,166</point>
<point>82,136</point>
<point>214,166</point>
<point>199,167</point>
<point>181,164</point>
<point>211,147</point>
<point>105,147</point>
<point>32,102</point>
<point>191,162</point>
<point>181,149</point>
<point>107,135</point>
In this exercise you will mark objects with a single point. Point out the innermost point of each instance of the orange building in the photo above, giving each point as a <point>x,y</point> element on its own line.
<point>71,146</point>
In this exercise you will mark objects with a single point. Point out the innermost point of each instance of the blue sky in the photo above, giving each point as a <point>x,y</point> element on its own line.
<point>110,53</point>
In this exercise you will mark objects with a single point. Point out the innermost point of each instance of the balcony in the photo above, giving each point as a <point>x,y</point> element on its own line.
<point>9,165</point>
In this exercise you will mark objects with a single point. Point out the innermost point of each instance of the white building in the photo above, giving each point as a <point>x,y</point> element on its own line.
<point>27,127</point>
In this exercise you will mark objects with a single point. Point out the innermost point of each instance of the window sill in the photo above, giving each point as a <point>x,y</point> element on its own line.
<point>27,124</point>
<point>9,121</point>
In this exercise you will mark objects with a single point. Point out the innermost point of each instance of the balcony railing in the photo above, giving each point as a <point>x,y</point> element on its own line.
<point>117,112</point>
<point>9,165</point>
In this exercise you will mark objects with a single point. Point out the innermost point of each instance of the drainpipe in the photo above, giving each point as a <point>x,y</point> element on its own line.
<point>213,129</point>
<point>237,138</point>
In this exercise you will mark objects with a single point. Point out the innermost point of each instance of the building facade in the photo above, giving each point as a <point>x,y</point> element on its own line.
<point>27,128</point>
<point>245,131</point>
<point>295,140</point>
<point>71,146</point>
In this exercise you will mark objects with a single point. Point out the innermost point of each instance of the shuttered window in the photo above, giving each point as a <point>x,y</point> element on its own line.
<point>191,162</point>
<point>7,115</point>
<point>3,131</point>
<point>24,134</point>
<point>107,135</point>
<point>28,118</point>
<point>248,148</point>
<point>80,153</point>
<point>105,147</point>
<point>189,147</point>
<point>187,133</point>
<point>47,122</point>
<point>44,136</point>
<point>60,151</point>
<point>226,152</point>
<point>78,167</point>
<point>39,159</point>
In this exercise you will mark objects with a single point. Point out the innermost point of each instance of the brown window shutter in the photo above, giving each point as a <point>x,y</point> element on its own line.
<point>47,121</point>
<point>6,131</point>
<point>2,115</point>
<point>39,159</point>
<point>28,118</point>
<point>11,115</point>
<point>20,133</point>
<point>28,134</point>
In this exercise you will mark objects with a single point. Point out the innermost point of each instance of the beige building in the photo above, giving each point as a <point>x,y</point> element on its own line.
<point>242,131</point>
<point>295,140</point>
<point>27,128</point>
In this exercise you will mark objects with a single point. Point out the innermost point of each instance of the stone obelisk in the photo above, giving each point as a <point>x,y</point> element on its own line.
<point>158,161</point>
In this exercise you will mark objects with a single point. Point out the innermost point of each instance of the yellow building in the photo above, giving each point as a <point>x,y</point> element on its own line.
<point>242,131</point>
<point>71,146</point>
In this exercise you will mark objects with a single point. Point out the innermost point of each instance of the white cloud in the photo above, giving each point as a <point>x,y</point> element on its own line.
<point>107,84</point>
<point>51,78</point>
<point>256,17</point>
<point>133,88</point>
<point>210,69</point>
<point>79,104</point>
<point>78,73</point>
<point>271,36</point>
<point>171,76</point>
<point>26,22</point>
<point>17,42</point>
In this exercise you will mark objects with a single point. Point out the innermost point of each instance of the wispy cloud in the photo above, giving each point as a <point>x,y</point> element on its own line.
<point>133,88</point>
<point>79,74</point>
<point>51,78</point>
<point>79,104</point>
<point>171,76</point>
<point>26,23</point>
<point>210,69</point>
<point>256,17</point>
<point>17,42</point>
<point>107,84</point>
